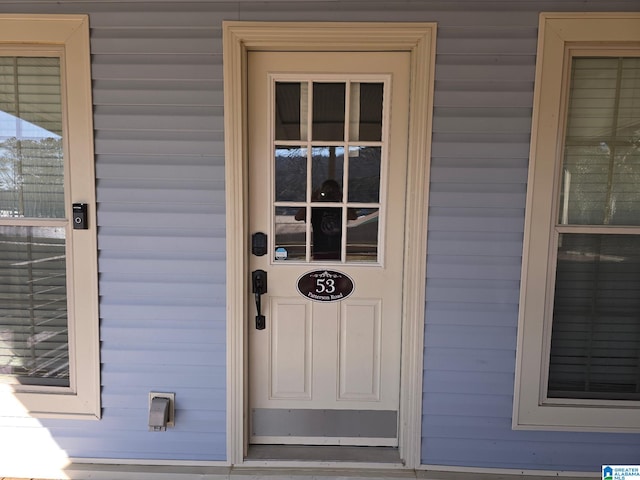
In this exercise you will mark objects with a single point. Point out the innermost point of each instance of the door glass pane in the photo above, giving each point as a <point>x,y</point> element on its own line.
<point>595,343</point>
<point>365,112</point>
<point>326,226</point>
<point>298,192</point>
<point>364,174</point>
<point>33,306</point>
<point>327,164</point>
<point>291,111</point>
<point>601,168</point>
<point>362,235</point>
<point>31,153</point>
<point>290,233</point>
<point>291,174</point>
<point>328,111</point>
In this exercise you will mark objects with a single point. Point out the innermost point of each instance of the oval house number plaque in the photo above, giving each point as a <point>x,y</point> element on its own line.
<point>325,285</point>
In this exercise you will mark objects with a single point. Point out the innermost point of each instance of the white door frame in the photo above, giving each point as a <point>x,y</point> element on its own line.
<point>419,40</point>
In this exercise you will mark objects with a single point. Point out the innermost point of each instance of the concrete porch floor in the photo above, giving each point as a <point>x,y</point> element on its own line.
<point>172,472</point>
<point>156,472</point>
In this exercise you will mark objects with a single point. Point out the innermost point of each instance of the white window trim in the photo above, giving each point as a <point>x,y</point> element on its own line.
<point>69,34</point>
<point>559,34</point>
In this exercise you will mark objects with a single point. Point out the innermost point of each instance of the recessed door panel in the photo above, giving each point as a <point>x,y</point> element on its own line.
<point>360,350</point>
<point>291,342</point>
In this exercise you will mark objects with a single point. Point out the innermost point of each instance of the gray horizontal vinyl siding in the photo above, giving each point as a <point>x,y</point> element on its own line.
<point>159,128</point>
<point>157,69</point>
<point>158,116</point>
<point>482,119</point>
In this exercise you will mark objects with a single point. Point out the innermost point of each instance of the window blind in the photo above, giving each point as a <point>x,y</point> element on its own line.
<point>595,341</point>
<point>33,299</point>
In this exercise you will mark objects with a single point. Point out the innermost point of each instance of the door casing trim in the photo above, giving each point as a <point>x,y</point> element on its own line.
<point>238,39</point>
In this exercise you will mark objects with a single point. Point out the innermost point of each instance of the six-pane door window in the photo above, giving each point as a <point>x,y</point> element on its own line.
<point>328,170</point>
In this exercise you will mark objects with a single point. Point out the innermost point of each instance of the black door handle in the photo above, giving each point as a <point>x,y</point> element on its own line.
<point>259,287</point>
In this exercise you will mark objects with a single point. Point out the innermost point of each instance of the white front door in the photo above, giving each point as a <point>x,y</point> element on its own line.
<point>327,182</point>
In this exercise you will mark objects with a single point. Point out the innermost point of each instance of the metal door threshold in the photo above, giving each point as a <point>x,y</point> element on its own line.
<point>324,453</point>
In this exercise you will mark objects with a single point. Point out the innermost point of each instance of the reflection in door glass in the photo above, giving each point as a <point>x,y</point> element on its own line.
<point>291,174</point>
<point>365,112</point>
<point>364,174</point>
<point>362,236</point>
<point>328,111</point>
<point>290,233</point>
<point>291,122</point>
<point>327,163</point>
<point>326,226</point>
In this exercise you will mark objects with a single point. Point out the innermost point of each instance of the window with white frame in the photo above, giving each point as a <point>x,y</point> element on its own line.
<point>595,335</point>
<point>49,360</point>
<point>578,364</point>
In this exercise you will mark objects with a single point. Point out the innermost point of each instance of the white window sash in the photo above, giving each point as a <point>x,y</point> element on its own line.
<point>560,37</point>
<point>68,37</point>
